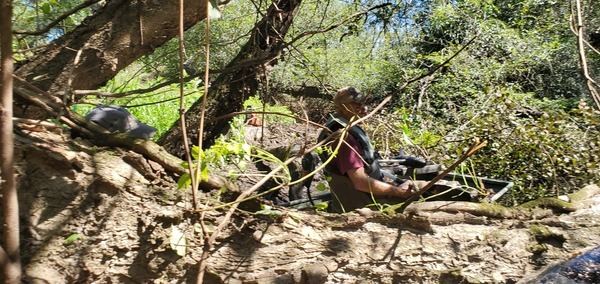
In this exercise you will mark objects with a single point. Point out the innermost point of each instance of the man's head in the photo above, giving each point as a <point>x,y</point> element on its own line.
<point>350,102</point>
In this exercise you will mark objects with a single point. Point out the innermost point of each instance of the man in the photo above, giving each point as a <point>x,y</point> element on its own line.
<point>356,180</point>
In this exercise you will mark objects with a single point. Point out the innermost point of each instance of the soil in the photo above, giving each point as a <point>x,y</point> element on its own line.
<point>108,215</point>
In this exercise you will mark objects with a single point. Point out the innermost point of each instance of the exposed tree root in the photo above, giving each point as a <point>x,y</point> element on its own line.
<point>533,209</point>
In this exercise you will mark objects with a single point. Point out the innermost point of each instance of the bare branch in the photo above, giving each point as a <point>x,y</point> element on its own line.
<point>101,136</point>
<point>474,148</point>
<point>351,17</point>
<point>590,83</point>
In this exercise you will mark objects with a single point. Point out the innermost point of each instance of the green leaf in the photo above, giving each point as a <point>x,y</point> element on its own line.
<point>321,187</point>
<point>268,211</point>
<point>69,22</point>
<point>322,206</point>
<point>178,241</point>
<point>195,151</point>
<point>204,172</point>
<point>71,239</point>
<point>184,181</point>
<point>243,165</point>
<point>45,8</point>
<point>247,148</point>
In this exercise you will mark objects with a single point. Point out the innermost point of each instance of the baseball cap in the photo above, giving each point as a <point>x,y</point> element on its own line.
<point>349,95</point>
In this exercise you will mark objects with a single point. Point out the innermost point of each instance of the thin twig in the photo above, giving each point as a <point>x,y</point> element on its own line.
<point>186,145</point>
<point>412,80</point>
<point>207,241</point>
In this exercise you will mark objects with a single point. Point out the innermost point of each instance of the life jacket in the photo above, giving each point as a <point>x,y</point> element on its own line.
<point>335,123</point>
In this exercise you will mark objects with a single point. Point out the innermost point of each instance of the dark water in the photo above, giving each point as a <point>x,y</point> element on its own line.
<point>583,269</point>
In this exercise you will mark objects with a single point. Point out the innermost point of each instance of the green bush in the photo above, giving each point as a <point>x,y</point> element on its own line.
<point>544,149</point>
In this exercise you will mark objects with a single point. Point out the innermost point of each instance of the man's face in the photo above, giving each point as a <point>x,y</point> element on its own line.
<point>355,109</point>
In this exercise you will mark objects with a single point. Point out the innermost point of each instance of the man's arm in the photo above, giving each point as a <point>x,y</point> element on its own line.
<point>365,183</point>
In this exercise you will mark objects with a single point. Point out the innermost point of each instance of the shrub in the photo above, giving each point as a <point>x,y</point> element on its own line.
<point>544,149</point>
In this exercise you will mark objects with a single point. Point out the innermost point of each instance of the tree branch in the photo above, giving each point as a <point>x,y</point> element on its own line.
<point>102,137</point>
<point>59,19</point>
<point>10,254</point>
<point>351,17</point>
<point>590,83</point>
<point>414,79</point>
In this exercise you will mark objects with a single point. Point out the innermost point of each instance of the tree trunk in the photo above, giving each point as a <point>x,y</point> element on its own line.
<point>121,32</point>
<point>10,256</point>
<point>241,78</point>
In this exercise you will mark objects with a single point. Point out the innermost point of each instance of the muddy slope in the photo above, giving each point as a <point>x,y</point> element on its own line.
<point>99,215</point>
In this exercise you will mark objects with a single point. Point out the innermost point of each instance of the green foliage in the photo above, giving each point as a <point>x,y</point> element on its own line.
<point>230,154</point>
<point>518,85</point>
<point>71,239</point>
<point>36,15</point>
<point>543,149</point>
<point>227,35</point>
<point>343,57</point>
<point>321,187</point>
<point>268,211</point>
<point>322,206</point>
<point>158,108</point>
<point>257,105</point>
<point>547,152</point>
<point>229,150</point>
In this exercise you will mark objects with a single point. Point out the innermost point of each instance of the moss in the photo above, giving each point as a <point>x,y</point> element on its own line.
<point>456,276</point>
<point>584,193</point>
<point>495,210</point>
<point>539,231</point>
<point>578,199</point>
<point>538,249</point>
<point>555,204</point>
<point>499,211</point>
<point>543,234</point>
<point>497,237</point>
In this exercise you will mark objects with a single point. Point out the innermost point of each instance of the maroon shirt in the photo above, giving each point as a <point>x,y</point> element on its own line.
<point>348,156</point>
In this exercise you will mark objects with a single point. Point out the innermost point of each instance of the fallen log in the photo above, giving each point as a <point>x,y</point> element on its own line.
<point>102,137</point>
<point>542,207</point>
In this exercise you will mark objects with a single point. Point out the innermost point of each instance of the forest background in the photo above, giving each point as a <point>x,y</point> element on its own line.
<point>518,84</point>
<point>518,74</point>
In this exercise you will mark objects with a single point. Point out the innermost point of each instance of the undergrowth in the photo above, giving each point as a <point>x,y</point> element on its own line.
<point>543,147</point>
<point>546,150</point>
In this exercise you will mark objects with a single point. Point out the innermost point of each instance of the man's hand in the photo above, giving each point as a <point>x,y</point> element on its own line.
<point>407,189</point>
